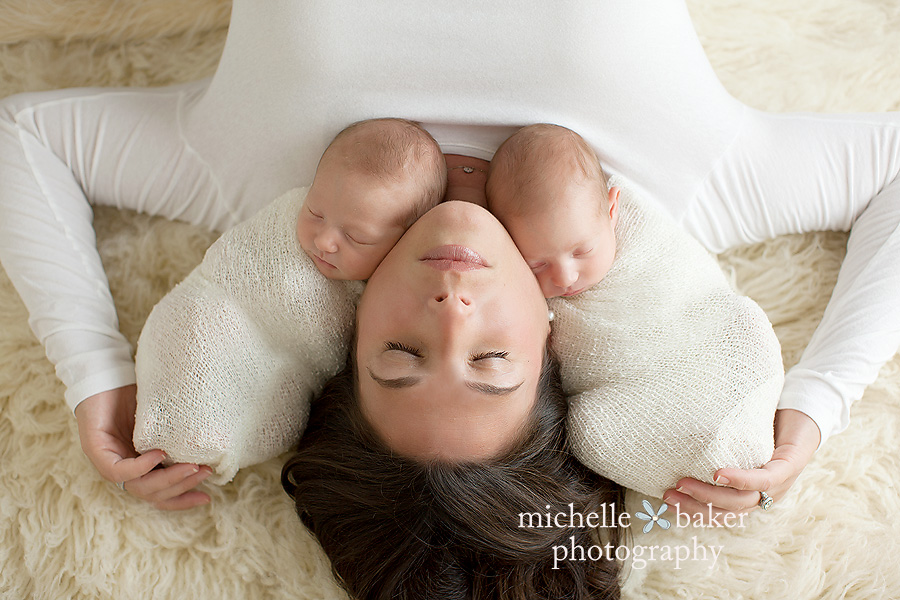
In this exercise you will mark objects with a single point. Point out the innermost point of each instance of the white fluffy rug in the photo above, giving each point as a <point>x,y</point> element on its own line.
<point>65,533</point>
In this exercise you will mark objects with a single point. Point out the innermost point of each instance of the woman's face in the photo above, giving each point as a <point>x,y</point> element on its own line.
<point>451,331</point>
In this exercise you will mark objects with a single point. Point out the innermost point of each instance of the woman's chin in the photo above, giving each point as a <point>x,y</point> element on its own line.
<point>459,209</point>
<point>460,223</point>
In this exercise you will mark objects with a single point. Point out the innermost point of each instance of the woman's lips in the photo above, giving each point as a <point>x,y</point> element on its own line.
<point>454,258</point>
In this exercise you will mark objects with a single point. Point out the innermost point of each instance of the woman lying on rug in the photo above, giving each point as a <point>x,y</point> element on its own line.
<point>447,427</point>
<point>458,429</point>
<point>630,77</point>
<point>450,333</point>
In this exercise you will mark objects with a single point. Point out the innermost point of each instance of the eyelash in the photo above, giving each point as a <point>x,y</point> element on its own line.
<point>403,348</point>
<point>415,351</point>
<point>577,254</point>
<point>492,354</point>
<point>358,243</point>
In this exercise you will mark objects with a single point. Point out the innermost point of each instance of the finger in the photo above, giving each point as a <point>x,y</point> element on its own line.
<point>114,467</point>
<point>164,484</point>
<point>698,511</point>
<point>770,477</point>
<point>684,504</point>
<point>722,499</point>
<point>181,487</point>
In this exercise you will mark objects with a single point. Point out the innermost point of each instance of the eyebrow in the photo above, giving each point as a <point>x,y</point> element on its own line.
<point>406,382</point>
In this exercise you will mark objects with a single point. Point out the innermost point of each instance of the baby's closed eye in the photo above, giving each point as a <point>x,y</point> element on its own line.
<point>357,239</point>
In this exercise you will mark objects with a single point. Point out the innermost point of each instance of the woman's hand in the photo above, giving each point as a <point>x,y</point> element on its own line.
<point>105,427</point>
<point>796,439</point>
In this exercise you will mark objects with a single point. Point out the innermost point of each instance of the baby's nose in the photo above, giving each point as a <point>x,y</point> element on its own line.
<point>326,241</point>
<point>564,276</point>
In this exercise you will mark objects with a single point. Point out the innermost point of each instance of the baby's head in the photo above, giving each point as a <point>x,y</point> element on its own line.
<point>373,181</point>
<point>546,186</point>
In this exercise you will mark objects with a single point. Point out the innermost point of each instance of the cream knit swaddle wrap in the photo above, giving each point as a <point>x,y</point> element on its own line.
<point>670,373</point>
<point>229,360</point>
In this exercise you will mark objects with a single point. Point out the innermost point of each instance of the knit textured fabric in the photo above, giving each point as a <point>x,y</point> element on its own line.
<point>229,360</point>
<point>670,373</point>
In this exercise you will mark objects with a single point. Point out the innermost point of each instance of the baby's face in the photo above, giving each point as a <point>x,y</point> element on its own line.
<point>570,244</point>
<point>349,222</point>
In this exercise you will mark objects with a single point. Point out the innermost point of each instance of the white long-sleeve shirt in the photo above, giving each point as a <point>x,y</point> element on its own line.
<point>629,75</point>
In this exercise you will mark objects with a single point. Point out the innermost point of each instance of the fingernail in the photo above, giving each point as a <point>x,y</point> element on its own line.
<point>721,480</point>
<point>680,489</point>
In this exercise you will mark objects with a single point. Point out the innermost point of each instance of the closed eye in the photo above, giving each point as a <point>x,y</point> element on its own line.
<point>582,252</point>
<point>356,241</point>
<point>536,267</point>
<point>310,211</point>
<point>493,354</point>
<point>402,348</point>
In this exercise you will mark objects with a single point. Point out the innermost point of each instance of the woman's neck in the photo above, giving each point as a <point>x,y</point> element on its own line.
<point>466,177</point>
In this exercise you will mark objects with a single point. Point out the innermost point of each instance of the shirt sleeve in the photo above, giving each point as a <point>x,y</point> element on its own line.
<point>61,152</point>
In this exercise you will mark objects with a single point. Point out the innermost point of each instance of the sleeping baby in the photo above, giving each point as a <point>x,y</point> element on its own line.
<point>669,372</point>
<point>546,186</point>
<point>228,360</point>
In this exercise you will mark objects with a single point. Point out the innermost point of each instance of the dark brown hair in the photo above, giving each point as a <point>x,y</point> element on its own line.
<point>397,528</point>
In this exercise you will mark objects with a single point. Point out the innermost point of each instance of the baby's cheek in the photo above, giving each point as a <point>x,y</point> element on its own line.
<point>547,287</point>
<point>598,269</point>
<point>360,264</point>
<point>300,232</point>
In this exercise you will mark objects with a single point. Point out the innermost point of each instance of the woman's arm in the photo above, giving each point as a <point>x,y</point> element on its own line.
<point>796,440</point>
<point>58,149</point>
<point>815,173</point>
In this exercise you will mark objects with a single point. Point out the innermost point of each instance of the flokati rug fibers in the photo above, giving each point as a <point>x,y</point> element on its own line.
<point>66,533</point>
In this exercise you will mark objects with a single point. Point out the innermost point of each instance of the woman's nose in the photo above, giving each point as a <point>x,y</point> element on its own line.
<point>451,314</point>
<point>452,300</point>
<point>452,307</point>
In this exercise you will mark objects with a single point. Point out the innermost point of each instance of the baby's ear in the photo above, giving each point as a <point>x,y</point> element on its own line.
<point>614,205</point>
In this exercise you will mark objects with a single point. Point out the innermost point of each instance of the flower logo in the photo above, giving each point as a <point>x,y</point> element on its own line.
<point>653,517</point>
